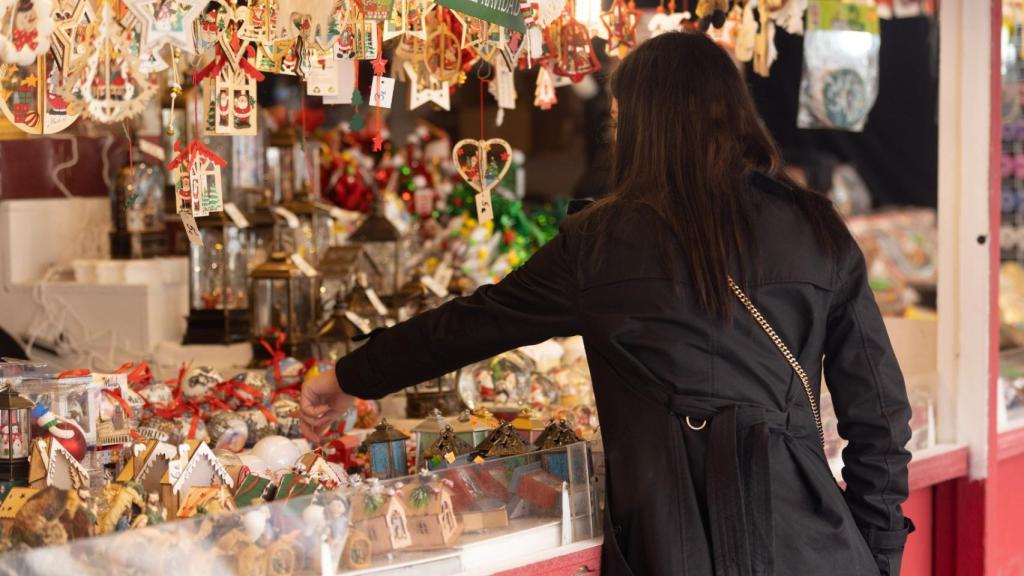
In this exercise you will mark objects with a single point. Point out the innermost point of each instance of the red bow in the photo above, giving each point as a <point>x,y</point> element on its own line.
<point>115,395</point>
<point>74,373</point>
<point>276,353</point>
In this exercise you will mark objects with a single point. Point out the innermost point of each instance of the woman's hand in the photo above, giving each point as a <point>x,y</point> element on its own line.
<point>322,402</point>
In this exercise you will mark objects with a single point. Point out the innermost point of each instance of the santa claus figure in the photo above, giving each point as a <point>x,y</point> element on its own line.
<point>223,108</point>
<point>243,110</point>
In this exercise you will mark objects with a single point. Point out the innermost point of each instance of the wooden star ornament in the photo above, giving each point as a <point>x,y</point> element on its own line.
<point>167,22</point>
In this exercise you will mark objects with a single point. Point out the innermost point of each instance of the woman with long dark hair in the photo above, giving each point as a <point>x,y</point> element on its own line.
<point>711,294</point>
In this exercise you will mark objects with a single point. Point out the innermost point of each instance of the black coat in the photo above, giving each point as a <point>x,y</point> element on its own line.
<point>749,493</point>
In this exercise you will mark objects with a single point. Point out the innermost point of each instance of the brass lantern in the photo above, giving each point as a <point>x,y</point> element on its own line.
<point>335,338</point>
<point>428,431</point>
<point>342,265</point>
<point>262,230</point>
<point>312,237</point>
<point>284,299</point>
<point>15,435</point>
<point>218,283</point>
<point>386,447</point>
<point>474,427</point>
<point>383,242</point>
<point>440,393</point>
<point>138,211</point>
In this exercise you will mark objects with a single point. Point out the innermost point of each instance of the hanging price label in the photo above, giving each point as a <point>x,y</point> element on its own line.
<point>376,302</point>
<point>305,267</point>
<point>236,215</point>
<point>484,211</point>
<point>191,229</point>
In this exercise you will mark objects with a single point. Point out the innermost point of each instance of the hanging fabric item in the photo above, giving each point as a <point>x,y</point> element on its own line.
<point>25,28</point>
<point>840,76</point>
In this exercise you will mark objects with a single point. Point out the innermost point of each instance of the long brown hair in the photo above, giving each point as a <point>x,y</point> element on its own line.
<point>688,141</point>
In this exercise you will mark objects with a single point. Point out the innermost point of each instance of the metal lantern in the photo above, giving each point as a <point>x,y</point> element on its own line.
<point>342,265</point>
<point>335,337</point>
<point>15,435</point>
<point>383,242</point>
<point>284,299</point>
<point>474,427</point>
<point>447,449</point>
<point>529,425</point>
<point>312,237</point>
<point>138,212</point>
<point>262,230</point>
<point>558,434</point>
<point>218,283</point>
<point>386,447</point>
<point>440,393</point>
<point>285,161</point>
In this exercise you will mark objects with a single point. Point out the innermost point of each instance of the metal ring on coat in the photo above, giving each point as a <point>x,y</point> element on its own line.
<point>703,425</point>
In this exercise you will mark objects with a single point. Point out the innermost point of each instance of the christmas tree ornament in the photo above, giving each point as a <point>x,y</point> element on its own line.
<point>67,432</point>
<point>111,84</point>
<point>482,164</point>
<point>74,27</point>
<point>428,89</point>
<point>620,22</point>
<point>197,179</point>
<point>25,29</point>
<point>576,57</point>
<point>32,97</point>
<point>544,96</point>
<point>167,22</point>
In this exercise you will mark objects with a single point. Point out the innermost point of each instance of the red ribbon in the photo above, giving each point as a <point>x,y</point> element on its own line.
<point>115,395</point>
<point>276,353</point>
<point>140,374</point>
<point>74,373</point>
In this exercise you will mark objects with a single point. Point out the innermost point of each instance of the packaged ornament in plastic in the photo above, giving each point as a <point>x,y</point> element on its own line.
<point>227,431</point>
<point>840,76</point>
<point>75,399</point>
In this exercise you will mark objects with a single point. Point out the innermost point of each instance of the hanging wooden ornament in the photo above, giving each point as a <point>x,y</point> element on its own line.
<point>111,85</point>
<point>575,58</point>
<point>426,89</point>
<point>32,97</point>
<point>261,21</point>
<point>533,48</point>
<point>620,22</point>
<point>544,96</point>
<point>377,10</point>
<point>443,58</point>
<point>25,29</point>
<point>74,27</point>
<point>197,179</point>
<point>482,164</point>
<point>408,17</point>
<point>232,74</point>
<point>167,22</point>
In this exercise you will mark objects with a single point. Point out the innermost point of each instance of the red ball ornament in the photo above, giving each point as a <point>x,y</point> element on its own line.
<point>67,432</point>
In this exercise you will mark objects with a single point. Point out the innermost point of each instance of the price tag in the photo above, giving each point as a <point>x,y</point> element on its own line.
<point>382,91</point>
<point>110,380</point>
<point>484,212</point>
<point>288,215</point>
<point>306,268</point>
<point>449,456</point>
<point>439,290</point>
<point>375,300</point>
<point>191,229</point>
<point>362,323</point>
<point>154,150</point>
<point>236,215</point>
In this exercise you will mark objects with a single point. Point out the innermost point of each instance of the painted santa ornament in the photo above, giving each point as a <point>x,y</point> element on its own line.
<point>68,433</point>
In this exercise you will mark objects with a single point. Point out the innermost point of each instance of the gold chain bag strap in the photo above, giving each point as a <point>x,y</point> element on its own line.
<point>785,352</point>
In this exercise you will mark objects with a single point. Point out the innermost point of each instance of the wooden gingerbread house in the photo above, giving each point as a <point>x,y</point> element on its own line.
<point>147,462</point>
<point>431,514</point>
<point>52,465</point>
<point>315,467</point>
<point>196,466</point>
<point>382,517</point>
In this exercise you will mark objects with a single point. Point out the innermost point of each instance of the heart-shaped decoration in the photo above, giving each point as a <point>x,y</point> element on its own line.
<point>231,42</point>
<point>482,163</point>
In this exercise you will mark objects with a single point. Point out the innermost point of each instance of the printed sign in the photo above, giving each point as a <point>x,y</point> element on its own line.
<point>504,13</point>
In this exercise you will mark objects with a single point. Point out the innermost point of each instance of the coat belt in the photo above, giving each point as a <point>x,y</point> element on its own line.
<point>738,479</point>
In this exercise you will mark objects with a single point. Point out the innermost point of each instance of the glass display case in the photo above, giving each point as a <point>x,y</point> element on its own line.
<point>475,517</point>
<point>285,301</point>
<point>218,283</point>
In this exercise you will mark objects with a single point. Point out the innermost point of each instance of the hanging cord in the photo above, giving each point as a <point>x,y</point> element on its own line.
<point>130,198</point>
<point>57,168</point>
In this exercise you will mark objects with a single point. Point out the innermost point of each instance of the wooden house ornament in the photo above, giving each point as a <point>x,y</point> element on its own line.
<point>381,515</point>
<point>52,465</point>
<point>197,179</point>
<point>431,514</point>
<point>196,466</point>
<point>13,504</point>
<point>147,462</point>
<point>314,466</point>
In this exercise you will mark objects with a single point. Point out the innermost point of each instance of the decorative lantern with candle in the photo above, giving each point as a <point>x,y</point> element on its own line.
<point>447,449</point>
<point>440,393</point>
<point>15,435</point>
<point>383,242</point>
<point>474,427</point>
<point>138,211</point>
<point>386,447</point>
<point>340,267</point>
<point>262,230</point>
<point>218,283</point>
<point>284,299</point>
<point>312,237</point>
<point>334,339</point>
<point>427,432</point>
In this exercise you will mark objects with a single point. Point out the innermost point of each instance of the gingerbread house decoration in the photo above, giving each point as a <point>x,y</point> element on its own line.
<point>147,462</point>
<point>431,514</point>
<point>315,467</point>
<point>197,178</point>
<point>381,515</point>
<point>52,465</point>
<point>207,500</point>
<point>252,489</point>
<point>13,503</point>
<point>195,466</point>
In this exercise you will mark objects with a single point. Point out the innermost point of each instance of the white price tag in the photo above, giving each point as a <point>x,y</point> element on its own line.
<point>439,290</point>
<point>443,274</point>
<point>288,215</point>
<point>191,229</point>
<point>110,380</point>
<point>362,323</point>
<point>236,215</point>
<point>484,211</point>
<point>306,268</point>
<point>323,78</point>
<point>346,80</point>
<point>382,91</point>
<point>375,300</point>
<point>154,150</point>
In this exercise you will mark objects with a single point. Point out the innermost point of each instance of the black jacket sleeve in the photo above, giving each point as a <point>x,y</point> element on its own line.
<point>870,400</point>
<point>532,304</point>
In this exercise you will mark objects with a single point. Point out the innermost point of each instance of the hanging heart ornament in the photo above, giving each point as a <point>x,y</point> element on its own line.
<point>483,164</point>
